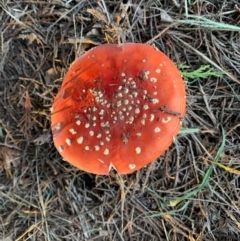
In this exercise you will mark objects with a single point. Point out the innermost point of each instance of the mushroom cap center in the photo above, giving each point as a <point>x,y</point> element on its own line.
<point>119,106</point>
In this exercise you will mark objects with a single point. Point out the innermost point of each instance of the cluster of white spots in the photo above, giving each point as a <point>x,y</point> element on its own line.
<point>144,75</point>
<point>104,124</point>
<point>129,106</point>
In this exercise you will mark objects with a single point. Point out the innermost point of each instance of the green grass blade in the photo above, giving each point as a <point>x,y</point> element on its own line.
<point>185,131</point>
<point>205,23</point>
<point>206,176</point>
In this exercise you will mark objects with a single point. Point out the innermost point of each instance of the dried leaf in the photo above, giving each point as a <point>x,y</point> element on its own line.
<point>27,102</point>
<point>45,138</point>
<point>82,41</point>
<point>98,14</point>
<point>103,233</point>
<point>165,17</point>
<point>30,38</point>
<point>51,75</point>
<point>10,157</point>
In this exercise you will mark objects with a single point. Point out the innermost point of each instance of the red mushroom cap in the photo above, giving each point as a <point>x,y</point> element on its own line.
<point>119,106</point>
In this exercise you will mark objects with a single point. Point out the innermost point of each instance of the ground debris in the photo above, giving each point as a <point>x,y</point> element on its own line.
<point>44,198</point>
<point>10,159</point>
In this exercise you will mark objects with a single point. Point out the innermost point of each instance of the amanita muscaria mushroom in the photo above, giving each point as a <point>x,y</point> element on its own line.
<point>119,106</point>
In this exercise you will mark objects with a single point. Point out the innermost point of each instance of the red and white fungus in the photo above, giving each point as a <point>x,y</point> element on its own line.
<point>119,106</point>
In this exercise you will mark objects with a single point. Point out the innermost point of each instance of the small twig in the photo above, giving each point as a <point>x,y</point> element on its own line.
<point>161,33</point>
